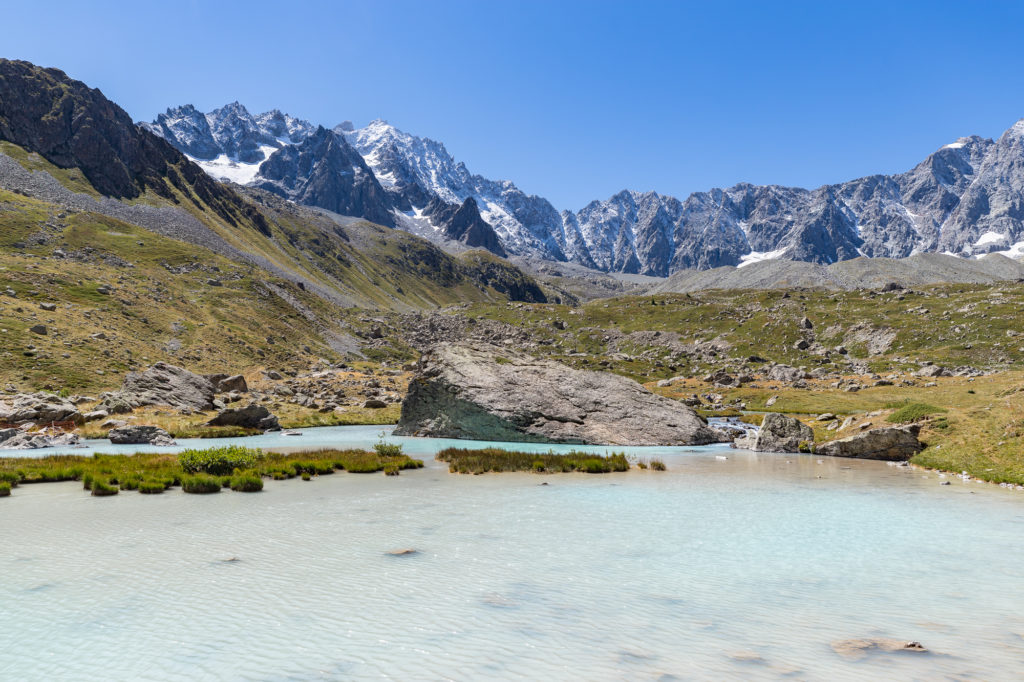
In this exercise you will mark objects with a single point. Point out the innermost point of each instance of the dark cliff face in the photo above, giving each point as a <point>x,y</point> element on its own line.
<point>464,224</point>
<point>325,171</point>
<point>75,126</point>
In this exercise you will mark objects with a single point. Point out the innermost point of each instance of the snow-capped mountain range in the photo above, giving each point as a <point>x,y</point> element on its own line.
<point>967,198</point>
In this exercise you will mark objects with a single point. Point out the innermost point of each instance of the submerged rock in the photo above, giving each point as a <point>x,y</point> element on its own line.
<point>859,648</point>
<point>485,392</point>
<point>895,443</point>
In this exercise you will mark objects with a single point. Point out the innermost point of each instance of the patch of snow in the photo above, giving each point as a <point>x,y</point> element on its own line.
<point>954,145</point>
<point>225,168</point>
<point>989,238</point>
<point>758,256</point>
<point>1016,251</point>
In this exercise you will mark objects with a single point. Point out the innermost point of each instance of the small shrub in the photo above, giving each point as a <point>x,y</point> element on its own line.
<point>246,482</point>
<point>391,470</point>
<point>385,449</point>
<point>805,446</point>
<point>658,465</point>
<point>200,484</point>
<point>103,488</point>
<point>151,487</point>
<point>306,476</point>
<point>219,461</point>
<point>10,477</point>
<point>5,489</point>
<point>87,481</point>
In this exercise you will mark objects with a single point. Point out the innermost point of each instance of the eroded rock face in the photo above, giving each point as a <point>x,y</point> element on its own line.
<point>485,392</point>
<point>38,407</point>
<point>16,439</point>
<point>894,444</point>
<point>163,384</point>
<point>780,433</point>
<point>252,416</point>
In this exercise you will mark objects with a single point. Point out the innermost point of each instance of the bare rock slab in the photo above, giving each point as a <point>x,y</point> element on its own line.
<point>485,392</point>
<point>892,444</point>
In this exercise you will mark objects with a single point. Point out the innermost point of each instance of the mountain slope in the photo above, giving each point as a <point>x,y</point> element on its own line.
<point>128,237</point>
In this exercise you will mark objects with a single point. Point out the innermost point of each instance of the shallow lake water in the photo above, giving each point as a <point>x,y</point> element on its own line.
<point>746,567</point>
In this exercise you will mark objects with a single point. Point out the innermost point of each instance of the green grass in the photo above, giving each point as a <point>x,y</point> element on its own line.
<point>246,482</point>
<point>147,472</point>
<point>102,487</point>
<point>481,461</point>
<point>201,484</point>
<point>5,489</point>
<point>912,412</point>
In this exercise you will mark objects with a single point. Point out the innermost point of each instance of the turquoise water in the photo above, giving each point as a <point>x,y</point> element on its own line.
<point>328,437</point>
<point>746,567</point>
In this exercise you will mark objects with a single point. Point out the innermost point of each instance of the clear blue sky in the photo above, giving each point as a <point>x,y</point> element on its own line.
<point>573,100</point>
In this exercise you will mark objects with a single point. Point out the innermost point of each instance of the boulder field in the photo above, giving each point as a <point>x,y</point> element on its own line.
<point>486,392</point>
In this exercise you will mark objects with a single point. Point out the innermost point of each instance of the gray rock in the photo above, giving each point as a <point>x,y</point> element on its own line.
<point>891,443</point>
<point>374,403</point>
<point>38,407</point>
<point>48,307</point>
<point>25,440</point>
<point>251,416</point>
<point>39,329</point>
<point>164,384</point>
<point>779,433</point>
<point>114,403</point>
<point>235,382</point>
<point>487,392</point>
<point>95,415</point>
<point>138,434</point>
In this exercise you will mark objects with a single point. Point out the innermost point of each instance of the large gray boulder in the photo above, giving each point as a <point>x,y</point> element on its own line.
<point>224,383</point>
<point>163,384</point>
<point>38,407</point>
<point>779,433</point>
<point>138,434</point>
<point>485,392</point>
<point>252,416</point>
<point>892,444</point>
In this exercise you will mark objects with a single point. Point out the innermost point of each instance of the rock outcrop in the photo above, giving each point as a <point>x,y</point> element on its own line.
<point>252,416</point>
<point>485,392</point>
<point>778,433</point>
<point>137,434</point>
<point>38,407</point>
<point>18,439</point>
<point>225,383</point>
<point>892,444</point>
<point>162,384</point>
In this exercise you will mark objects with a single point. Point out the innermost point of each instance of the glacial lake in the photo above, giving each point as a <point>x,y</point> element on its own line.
<point>730,565</point>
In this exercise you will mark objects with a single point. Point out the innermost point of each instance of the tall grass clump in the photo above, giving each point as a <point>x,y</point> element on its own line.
<point>246,482</point>
<point>200,484</point>
<point>219,461</point>
<point>151,487</point>
<point>102,487</point>
<point>5,489</point>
